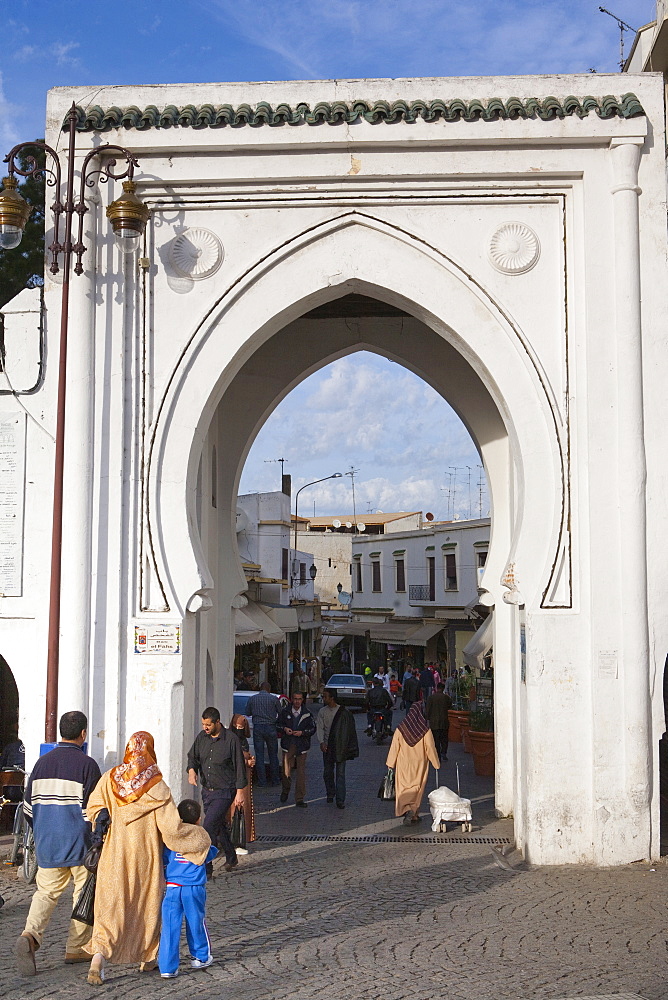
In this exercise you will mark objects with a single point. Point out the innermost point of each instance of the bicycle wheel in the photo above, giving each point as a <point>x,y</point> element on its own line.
<point>29,857</point>
<point>16,850</point>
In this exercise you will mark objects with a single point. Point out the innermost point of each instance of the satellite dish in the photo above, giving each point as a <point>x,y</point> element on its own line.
<point>349,524</point>
<point>361,526</point>
<point>345,598</point>
<point>455,517</point>
<point>379,512</point>
<point>429,516</point>
<point>336,524</point>
<point>242,520</point>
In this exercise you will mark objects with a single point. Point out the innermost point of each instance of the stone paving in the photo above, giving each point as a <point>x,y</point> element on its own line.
<point>390,921</point>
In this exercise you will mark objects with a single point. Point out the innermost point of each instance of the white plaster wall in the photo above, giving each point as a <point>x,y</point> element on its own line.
<point>331,555</point>
<point>544,345</point>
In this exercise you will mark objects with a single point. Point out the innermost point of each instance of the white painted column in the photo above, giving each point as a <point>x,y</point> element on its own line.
<point>75,627</point>
<point>634,654</point>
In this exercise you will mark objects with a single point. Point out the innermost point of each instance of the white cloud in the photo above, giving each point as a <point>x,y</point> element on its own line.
<point>362,38</point>
<point>25,53</point>
<point>8,116</point>
<point>378,417</point>
<point>62,50</point>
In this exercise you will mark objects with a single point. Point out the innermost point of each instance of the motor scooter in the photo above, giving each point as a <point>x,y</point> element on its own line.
<point>379,728</point>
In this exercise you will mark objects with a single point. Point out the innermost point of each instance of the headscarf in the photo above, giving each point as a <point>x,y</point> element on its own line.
<point>138,772</point>
<point>240,722</point>
<point>414,727</point>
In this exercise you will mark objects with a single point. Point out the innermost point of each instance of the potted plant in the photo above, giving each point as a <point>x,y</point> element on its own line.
<point>481,738</point>
<point>460,713</point>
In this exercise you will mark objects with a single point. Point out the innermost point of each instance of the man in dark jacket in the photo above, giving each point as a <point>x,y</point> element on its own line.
<point>54,804</point>
<point>295,726</point>
<point>411,689</point>
<point>378,700</point>
<point>216,756</point>
<point>436,712</point>
<point>338,742</point>
<point>426,683</point>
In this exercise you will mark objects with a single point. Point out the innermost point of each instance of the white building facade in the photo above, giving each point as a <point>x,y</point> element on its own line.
<point>420,588</point>
<point>502,229</point>
<point>281,580</point>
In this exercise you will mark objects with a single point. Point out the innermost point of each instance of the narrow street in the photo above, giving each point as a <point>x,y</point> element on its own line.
<point>335,904</point>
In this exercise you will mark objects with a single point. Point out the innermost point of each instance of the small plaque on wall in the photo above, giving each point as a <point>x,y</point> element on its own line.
<point>607,664</point>
<point>158,639</point>
<point>12,501</point>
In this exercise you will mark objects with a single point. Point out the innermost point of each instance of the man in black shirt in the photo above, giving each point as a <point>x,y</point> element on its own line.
<point>216,756</point>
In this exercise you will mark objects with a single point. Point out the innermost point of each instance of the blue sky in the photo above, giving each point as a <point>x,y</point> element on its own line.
<point>351,407</point>
<point>48,43</point>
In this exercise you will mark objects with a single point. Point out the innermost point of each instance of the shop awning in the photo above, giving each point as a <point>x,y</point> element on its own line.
<point>422,636</point>
<point>481,643</point>
<point>271,632</point>
<point>285,618</point>
<point>329,642</point>
<point>393,633</point>
<point>453,614</point>
<point>245,630</point>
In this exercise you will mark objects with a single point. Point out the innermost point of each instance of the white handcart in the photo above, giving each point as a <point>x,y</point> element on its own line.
<point>449,807</point>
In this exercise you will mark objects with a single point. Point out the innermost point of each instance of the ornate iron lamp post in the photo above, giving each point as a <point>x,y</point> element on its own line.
<point>128,218</point>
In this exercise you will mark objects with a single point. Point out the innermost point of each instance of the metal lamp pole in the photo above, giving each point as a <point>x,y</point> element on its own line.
<point>336,475</point>
<point>128,217</point>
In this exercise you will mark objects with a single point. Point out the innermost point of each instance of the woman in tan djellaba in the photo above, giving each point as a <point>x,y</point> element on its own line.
<point>411,752</point>
<point>130,879</point>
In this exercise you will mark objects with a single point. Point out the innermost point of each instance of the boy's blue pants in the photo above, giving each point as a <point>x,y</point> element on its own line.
<point>180,901</point>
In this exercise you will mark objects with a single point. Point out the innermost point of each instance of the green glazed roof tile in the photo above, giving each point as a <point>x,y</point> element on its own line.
<point>97,119</point>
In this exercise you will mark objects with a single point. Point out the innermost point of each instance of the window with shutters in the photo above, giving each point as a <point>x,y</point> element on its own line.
<point>399,575</point>
<point>431,577</point>
<point>481,560</point>
<point>375,576</point>
<point>450,571</point>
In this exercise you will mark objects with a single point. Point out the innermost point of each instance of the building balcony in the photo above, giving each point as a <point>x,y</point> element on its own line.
<point>420,594</point>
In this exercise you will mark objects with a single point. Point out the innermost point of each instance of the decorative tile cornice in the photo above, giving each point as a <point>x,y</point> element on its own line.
<point>96,119</point>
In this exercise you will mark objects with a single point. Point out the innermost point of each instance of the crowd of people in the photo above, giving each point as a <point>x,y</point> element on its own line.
<point>156,856</point>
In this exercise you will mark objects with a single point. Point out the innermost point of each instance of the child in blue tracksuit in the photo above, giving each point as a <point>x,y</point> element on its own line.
<point>185,895</point>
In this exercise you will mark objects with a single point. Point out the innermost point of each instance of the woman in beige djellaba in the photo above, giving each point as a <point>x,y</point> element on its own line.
<point>411,752</point>
<point>130,879</point>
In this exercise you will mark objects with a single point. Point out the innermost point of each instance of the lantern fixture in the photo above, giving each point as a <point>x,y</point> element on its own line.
<point>14,213</point>
<point>313,572</point>
<point>128,216</point>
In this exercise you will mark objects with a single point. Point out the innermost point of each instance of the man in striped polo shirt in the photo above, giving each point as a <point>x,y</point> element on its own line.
<point>54,804</point>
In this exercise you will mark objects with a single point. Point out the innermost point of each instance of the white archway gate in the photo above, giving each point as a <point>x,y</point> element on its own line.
<point>510,244</point>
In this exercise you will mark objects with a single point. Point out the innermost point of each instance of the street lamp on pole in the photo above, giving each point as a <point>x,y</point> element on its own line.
<point>335,475</point>
<point>128,216</point>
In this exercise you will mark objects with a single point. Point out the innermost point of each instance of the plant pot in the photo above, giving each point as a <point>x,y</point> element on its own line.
<point>466,742</point>
<point>455,728</point>
<point>482,748</point>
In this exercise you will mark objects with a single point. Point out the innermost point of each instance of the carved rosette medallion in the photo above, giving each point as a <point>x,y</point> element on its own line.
<point>196,254</point>
<point>514,248</point>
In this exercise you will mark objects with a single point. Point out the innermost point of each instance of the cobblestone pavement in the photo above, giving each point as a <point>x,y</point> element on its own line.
<point>306,919</point>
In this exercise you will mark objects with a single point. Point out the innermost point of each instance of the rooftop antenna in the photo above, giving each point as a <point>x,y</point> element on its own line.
<point>469,480</point>
<point>623,26</point>
<point>352,472</point>
<point>480,471</point>
<point>274,460</point>
<point>454,469</point>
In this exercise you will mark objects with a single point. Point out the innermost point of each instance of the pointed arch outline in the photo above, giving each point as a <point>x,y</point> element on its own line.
<point>242,285</point>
